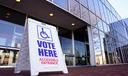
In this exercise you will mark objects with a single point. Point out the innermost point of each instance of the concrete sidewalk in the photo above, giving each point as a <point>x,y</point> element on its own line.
<point>108,70</point>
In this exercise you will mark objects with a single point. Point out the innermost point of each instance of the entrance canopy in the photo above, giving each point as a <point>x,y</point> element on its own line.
<point>41,9</point>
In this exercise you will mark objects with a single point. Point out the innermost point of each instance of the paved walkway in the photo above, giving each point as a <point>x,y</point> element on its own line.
<point>109,70</point>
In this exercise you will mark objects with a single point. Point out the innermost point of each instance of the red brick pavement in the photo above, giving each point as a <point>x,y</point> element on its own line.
<point>109,70</point>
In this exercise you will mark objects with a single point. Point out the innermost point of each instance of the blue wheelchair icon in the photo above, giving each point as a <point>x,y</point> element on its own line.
<point>43,34</point>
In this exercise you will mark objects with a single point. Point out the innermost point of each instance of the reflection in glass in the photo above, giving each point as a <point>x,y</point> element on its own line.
<point>82,53</point>
<point>100,24</point>
<point>85,14</point>
<point>91,5</point>
<point>97,47</point>
<point>93,19</point>
<point>101,10</point>
<point>105,13</point>
<point>84,3</point>
<point>69,60</point>
<point>8,57</point>
<point>97,8</point>
<point>106,28</point>
<point>10,34</point>
<point>102,37</point>
<point>62,3</point>
<point>75,8</point>
<point>66,44</point>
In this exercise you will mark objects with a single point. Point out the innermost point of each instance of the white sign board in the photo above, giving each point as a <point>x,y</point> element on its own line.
<point>41,47</point>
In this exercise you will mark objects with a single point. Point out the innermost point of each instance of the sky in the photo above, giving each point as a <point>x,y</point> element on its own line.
<point>121,6</point>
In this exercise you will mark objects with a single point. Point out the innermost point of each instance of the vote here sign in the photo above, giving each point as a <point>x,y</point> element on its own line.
<point>44,48</point>
<point>44,51</point>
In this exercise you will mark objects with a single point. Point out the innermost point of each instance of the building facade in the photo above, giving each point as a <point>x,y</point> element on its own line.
<point>87,29</point>
<point>119,43</point>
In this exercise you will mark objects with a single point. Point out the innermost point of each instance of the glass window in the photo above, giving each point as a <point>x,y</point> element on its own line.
<point>91,5</point>
<point>110,17</point>
<point>84,3</point>
<point>97,45</point>
<point>106,28</point>
<point>93,20</point>
<point>11,27</point>
<point>62,3</point>
<point>85,14</point>
<point>103,1</point>
<point>66,43</point>
<point>118,16</point>
<point>106,14</point>
<point>18,36</point>
<point>81,47</point>
<point>118,53</point>
<point>107,4</point>
<point>97,8</point>
<point>120,30</point>
<point>96,40</point>
<point>6,33</point>
<point>80,52</point>
<point>75,8</point>
<point>50,0</point>
<point>99,24</point>
<point>106,48</point>
<point>8,57</point>
<point>110,46</point>
<point>101,10</point>
<point>11,34</point>
<point>102,41</point>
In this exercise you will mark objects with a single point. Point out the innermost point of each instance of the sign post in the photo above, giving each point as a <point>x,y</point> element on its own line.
<point>41,50</point>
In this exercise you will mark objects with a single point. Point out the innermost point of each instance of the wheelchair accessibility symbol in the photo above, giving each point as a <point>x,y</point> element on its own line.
<point>44,33</point>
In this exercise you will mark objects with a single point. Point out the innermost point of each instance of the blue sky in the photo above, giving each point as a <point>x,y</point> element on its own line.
<point>121,7</point>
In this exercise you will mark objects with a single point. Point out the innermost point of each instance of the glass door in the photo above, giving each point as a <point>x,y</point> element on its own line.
<point>81,47</point>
